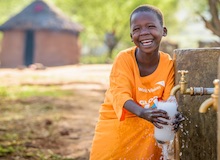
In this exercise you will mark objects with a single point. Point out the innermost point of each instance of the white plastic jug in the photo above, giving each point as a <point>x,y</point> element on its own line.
<point>166,134</point>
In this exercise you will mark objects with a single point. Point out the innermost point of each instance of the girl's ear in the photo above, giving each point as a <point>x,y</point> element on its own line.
<point>164,31</point>
<point>131,37</point>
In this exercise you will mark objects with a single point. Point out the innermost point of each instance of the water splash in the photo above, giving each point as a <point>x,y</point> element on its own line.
<point>165,151</point>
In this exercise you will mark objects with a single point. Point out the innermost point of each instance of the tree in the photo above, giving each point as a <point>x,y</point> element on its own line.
<point>111,42</point>
<point>208,12</point>
<point>213,23</point>
<point>108,21</point>
<point>99,18</point>
<point>10,7</point>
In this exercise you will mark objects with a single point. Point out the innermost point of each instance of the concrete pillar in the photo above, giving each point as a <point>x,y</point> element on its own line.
<point>198,135</point>
<point>218,117</point>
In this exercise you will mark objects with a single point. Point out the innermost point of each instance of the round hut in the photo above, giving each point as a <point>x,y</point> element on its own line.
<point>40,33</point>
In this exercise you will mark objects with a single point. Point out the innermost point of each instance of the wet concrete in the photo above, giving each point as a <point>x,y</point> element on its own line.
<point>218,117</point>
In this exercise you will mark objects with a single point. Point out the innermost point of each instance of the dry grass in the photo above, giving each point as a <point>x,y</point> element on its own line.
<point>56,119</point>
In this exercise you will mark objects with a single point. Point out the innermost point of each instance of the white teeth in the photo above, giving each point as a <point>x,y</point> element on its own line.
<point>146,42</point>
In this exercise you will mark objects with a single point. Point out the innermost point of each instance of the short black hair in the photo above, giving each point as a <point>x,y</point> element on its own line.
<point>148,8</point>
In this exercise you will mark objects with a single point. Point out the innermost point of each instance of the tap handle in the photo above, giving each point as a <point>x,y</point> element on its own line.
<point>215,82</point>
<point>183,73</point>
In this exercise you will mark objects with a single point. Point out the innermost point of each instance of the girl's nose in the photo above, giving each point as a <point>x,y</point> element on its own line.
<point>144,31</point>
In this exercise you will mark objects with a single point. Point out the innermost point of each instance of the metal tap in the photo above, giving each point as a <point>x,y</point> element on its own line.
<point>213,101</point>
<point>182,83</point>
<point>182,86</point>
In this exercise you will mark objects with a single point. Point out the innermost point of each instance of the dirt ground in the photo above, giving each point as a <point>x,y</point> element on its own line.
<point>71,135</point>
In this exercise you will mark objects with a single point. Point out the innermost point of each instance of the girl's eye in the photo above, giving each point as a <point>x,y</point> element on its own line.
<point>136,29</point>
<point>151,26</point>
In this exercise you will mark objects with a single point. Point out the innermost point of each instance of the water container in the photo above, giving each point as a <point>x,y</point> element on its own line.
<point>166,134</point>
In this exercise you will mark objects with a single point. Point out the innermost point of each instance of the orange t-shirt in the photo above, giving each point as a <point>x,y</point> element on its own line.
<point>119,133</point>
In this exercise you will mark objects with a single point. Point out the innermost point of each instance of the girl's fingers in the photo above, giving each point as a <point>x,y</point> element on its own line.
<point>179,117</point>
<point>162,122</point>
<point>156,125</point>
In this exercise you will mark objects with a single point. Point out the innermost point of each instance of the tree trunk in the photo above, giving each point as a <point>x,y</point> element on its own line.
<point>214,23</point>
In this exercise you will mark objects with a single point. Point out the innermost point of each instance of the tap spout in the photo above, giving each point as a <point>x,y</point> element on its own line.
<point>205,105</point>
<point>174,90</point>
<point>213,101</point>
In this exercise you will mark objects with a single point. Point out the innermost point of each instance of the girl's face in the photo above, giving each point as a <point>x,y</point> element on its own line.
<point>146,31</point>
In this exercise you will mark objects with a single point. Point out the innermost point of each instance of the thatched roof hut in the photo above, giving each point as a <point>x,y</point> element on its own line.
<point>40,33</point>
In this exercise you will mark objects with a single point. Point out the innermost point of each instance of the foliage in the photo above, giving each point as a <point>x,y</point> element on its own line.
<point>11,7</point>
<point>203,10</point>
<point>213,23</point>
<point>6,150</point>
<point>100,17</point>
<point>111,16</point>
<point>97,16</point>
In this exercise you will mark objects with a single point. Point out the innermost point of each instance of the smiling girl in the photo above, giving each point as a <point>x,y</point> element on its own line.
<point>139,76</point>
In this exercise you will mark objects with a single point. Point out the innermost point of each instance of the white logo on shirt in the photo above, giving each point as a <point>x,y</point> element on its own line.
<point>146,104</point>
<point>151,102</point>
<point>162,83</point>
<point>150,90</point>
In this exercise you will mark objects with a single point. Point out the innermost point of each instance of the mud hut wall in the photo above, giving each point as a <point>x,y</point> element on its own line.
<point>56,48</point>
<point>12,49</point>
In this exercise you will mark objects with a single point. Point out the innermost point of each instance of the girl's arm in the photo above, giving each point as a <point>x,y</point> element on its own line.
<point>149,114</point>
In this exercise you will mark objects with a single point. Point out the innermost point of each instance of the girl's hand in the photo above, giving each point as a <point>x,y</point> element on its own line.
<point>177,121</point>
<point>155,116</point>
